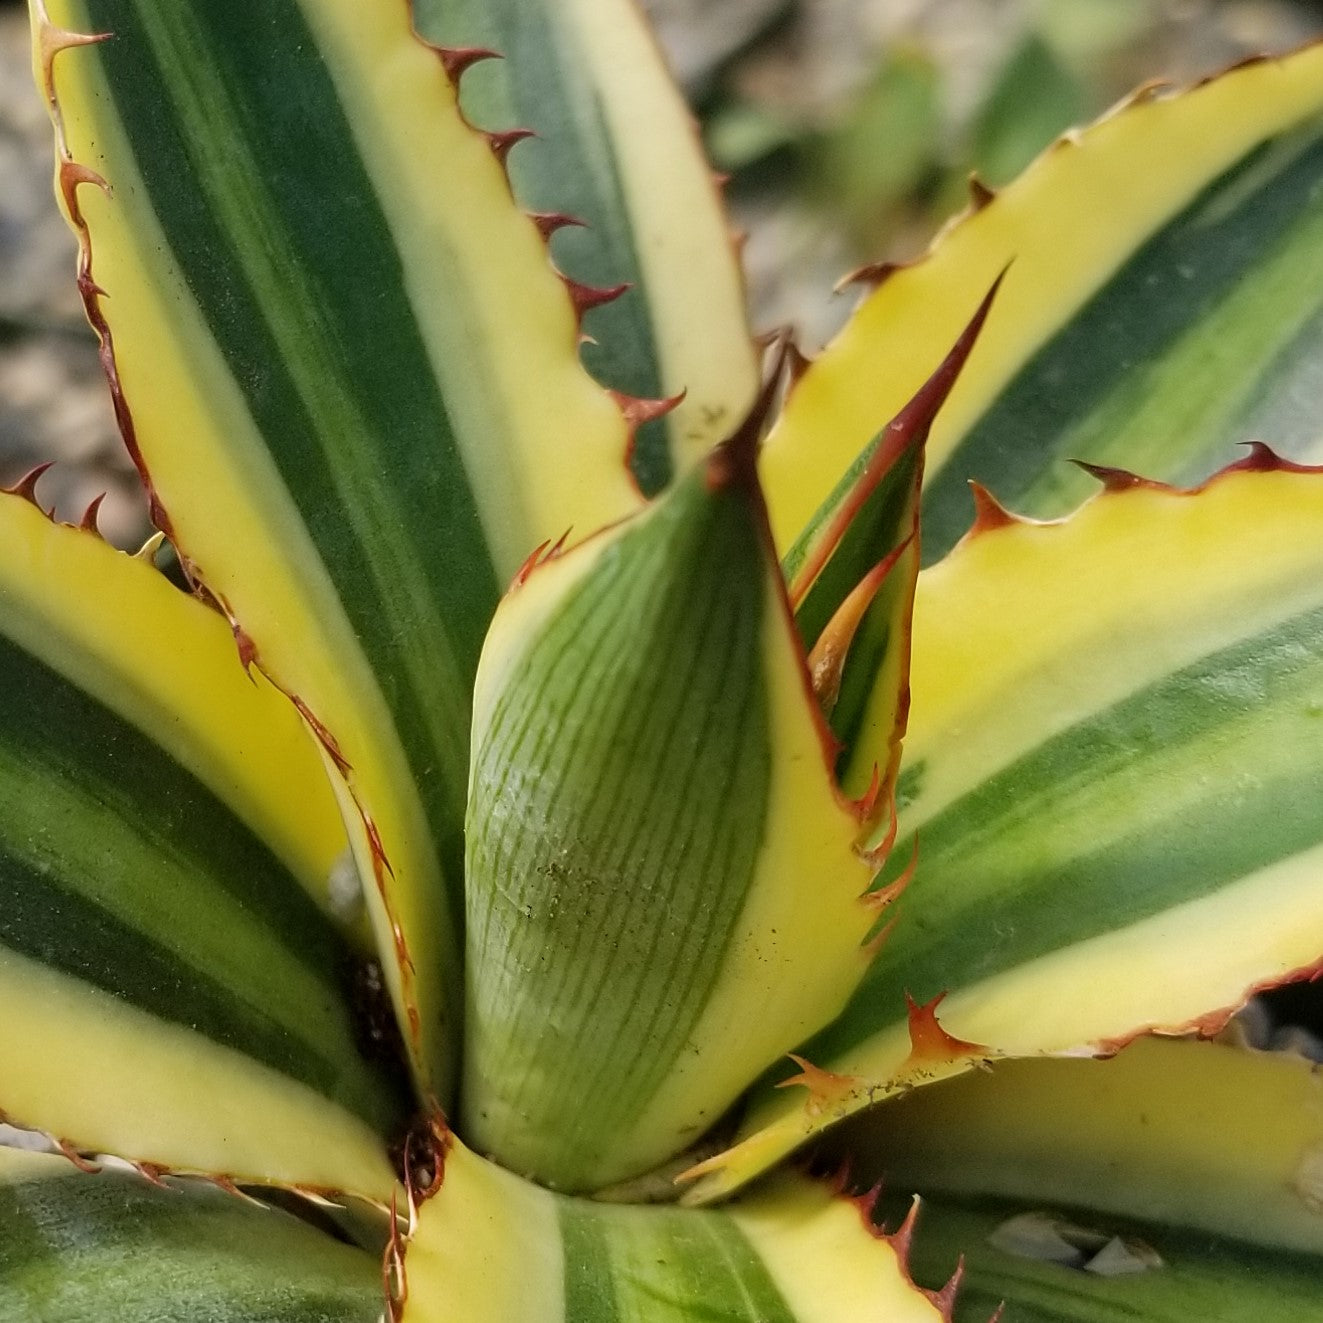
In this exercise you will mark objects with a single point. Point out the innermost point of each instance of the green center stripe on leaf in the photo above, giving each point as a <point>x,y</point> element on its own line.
<point>275,225</point>
<point>122,871</point>
<point>616,813</point>
<point>573,171</point>
<point>1169,365</point>
<point>1184,788</point>
<point>659,1266</point>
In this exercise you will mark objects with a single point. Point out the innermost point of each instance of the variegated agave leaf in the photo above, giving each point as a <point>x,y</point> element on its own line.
<point>170,963</point>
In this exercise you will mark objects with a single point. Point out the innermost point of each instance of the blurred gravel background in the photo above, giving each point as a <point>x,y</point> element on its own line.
<point>848,127</point>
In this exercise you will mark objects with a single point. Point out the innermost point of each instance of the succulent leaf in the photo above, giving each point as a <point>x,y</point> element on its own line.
<point>647,835</point>
<point>1112,751</point>
<point>863,518</point>
<point>852,596</point>
<point>656,846</point>
<point>1161,306</point>
<point>620,155</point>
<point>171,991</point>
<point>85,1248</point>
<point>1177,1180</point>
<point>491,1248</point>
<point>1209,1136</point>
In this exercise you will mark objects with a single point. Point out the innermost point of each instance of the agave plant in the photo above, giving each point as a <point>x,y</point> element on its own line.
<point>464,954</point>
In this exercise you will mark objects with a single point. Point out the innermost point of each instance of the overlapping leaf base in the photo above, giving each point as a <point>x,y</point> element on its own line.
<point>493,1249</point>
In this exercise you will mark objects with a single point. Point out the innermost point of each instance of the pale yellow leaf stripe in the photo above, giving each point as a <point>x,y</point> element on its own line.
<point>162,1095</point>
<point>490,1247</point>
<point>562,441</point>
<point>115,627</point>
<point>560,460</point>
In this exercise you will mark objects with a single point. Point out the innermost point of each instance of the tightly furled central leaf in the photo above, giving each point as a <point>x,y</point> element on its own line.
<point>639,703</point>
<point>613,831</point>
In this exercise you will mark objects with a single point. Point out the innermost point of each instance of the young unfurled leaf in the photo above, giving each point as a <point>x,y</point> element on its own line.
<point>851,575</point>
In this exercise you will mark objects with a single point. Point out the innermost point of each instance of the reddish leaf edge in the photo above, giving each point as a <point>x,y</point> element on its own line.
<point>636,410</point>
<point>91,1161</point>
<point>900,1240</point>
<point>25,489</point>
<point>991,516</point>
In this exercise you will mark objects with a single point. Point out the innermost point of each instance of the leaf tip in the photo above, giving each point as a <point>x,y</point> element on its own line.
<point>734,461</point>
